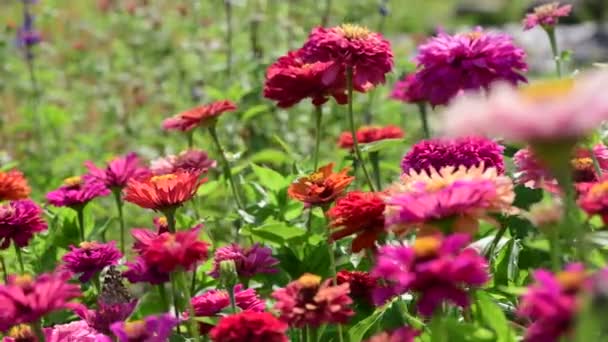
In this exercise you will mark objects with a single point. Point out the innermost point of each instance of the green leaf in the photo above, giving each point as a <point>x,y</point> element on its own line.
<point>277,233</point>
<point>253,112</point>
<point>382,145</point>
<point>358,331</point>
<point>493,317</point>
<point>566,55</point>
<point>269,178</point>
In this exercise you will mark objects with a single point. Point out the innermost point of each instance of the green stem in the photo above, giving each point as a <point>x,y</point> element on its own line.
<point>555,249</point>
<point>375,159</point>
<point>495,241</point>
<point>4,271</point>
<point>232,299</point>
<point>570,222</point>
<point>554,49</point>
<point>80,215</point>
<point>174,292</point>
<point>305,335</point>
<point>190,137</point>
<point>228,9</point>
<point>332,262</point>
<point>309,220</point>
<point>38,331</point>
<point>349,85</point>
<point>170,216</point>
<point>596,164</point>
<point>226,167</point>
<point>318,118</point>
<point>162,292</point>
<point>193,326</point>
<point>20,259</point>
<point>326,13</point>
<point>121,219</point>
<point>424,120</point>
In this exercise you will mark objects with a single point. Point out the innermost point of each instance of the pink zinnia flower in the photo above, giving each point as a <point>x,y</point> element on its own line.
<point>407,89</point>
<point>546,15</point>
<point>75,331</point>
<point>351,46</point>
<point>551,303</point>
<point>437,269</point>
<point>404,334</point>
<point>19,221</point>
<point>106,313</point>
<point>249,261</point>
<point>77,191</point>
<point>212,302</point>
<point>250,327</point>
<point>548,111</point>
<point>151,329</point>
<point>307,301</point>
<point>203,115</point>
<point>90,258</point>
<point>449,65</point>
<point>25,299</point>
<point>168,251</point>
<point>140,272</point>
<point>118,171</point>
<point>189,160</point>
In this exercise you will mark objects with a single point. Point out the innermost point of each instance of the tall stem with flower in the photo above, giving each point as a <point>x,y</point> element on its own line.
<point>226,167</point>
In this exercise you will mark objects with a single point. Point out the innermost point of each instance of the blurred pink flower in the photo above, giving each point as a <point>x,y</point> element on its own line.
<point>404,334</point>
<point>407,89</point>
<point>249,261</point>
<point>19,221</point>
<point>189,160</point>
<point>546,15</point>
<point>77,191</point>
<point>118,171</point>
<point>75,331</point>
<point>151,329</point>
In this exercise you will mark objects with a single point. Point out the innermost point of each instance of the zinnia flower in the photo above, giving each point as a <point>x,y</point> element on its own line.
<point>168,251</point>
<point>74,331</point>
<point>90,258</point>
<point>307,301</point>
<point>19,221</point>
<point>118,171</point>
<point>551,304</point>
<point>361,284</point>
<point>594,199</point>
<point>547,112</point>
<point>13,186</point>
<point>449,65</point>
<point>250,327</point>
<point>248,261</point>
<point>407,89</point>
<point>290,80</point>
<point>436,269</point>
<point>204,115</point>
<point>546,15</point>
<point>20,333</point>
<point>190,160</point>
<point>77,191</point>
<point>140,272</point>
<point>25,299</point>
<point>151,329</point>
<point>360,213</point>
<point>163,192</point>
<point>404,334</point>
<point>369,134</point>
<point>106,313</point>
<point>367,53</point>
<point>212,302</point>
<point>321,187</point>
<point>466,151</point>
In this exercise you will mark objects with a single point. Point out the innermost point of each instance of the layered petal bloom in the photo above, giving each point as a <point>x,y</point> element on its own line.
<point>465,151</point>
<point>456,197</point>
<point>594,199</point>
<point>168,251</point>
<point>163,192</point>
<point>351,46</point>
<point>404,334</point>
<point>321,187</point>
<point>212,302</point>
<point>20,333</point>
<point>551,303</point>
<point>369,134</point>
<point>13,185</point>
<point>436,269</point>
<point>118,171</point>
<point>203,115</point>
<point>189,160</point>
<point>89,258</point>
<point>248,261</point>
<point>360,213</point>
<point>19,221</point>
<point>289,80</point>
<point>25,299</point>
<point>547,111</point>
<point>307,301</point>
<point>407,89</point>
<point>106,314</point>
<point>139,271</point>
<point>361,284</point>
<point>251,327</point>
<point>451,64</point>
<point>77,192</point>
<point>151,329</point>
<point>546,15</point>
<point>74,331</point>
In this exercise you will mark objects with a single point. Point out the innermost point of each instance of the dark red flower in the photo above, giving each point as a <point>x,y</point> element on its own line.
<point>368,134</point>
<point>362,284</point>
<point>251,327</point>
<point>169,251</point>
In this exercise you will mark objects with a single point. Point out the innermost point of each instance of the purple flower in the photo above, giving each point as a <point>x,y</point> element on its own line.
<point>90,258</point>
<point>118,171</point>
<point>407,89</point>
<point>106,314</point>
<point>189,160</point>
<point>248,261</point>
<point>140,272</point>
<point>546,15</point>
<point>151,329</point>
<point>449,65</point>
<point>437,269</point>
<point>74,331</point>
<point>212,302</point>
<point>468,151</point>
<point>76,192</point>
<point>19,221</point>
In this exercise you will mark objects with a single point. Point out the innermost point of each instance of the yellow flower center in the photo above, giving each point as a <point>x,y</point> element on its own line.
<point>316,177</point>
<point>308,280</point>
<point>21,331</point>
<point>88,245</point>
<point>599,189</point>
<point>135,328</point>
<point>23,280</point>
<point>582,163</point>
<point>570,280</point>
<point>426,246</point>
<point>437,184</point>
<point>474,35</point>
<point>547,90</point>
<point>546,9</point>
<point>72,181</point>
<point>161,178</point>
<point>351,31</point>
<point>162,221</point>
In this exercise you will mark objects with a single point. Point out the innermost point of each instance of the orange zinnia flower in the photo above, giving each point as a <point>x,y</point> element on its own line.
<point>163,192</point>
<point>204,115</point>
<point>321,187</point>
<point>13,186</point>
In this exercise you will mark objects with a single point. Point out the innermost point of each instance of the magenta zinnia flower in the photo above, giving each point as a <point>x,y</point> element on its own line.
<point>118,171</point>
<point>404,334</point>
<point>248,261</point>
<point>449,65</point>
<point>551,303</point>
<point>189,160</point>
<point>151,329</point>
<point>546,15</point>
<point>90,258</point>
<point>106,313</point>
<point>140,272</point>
<point>75,331</point>
<point>437,269</point>
<point>407,89</point>
<point>468,151</point>
<point>19,221</point>
<point>212,302</point>
<point>77,191</point>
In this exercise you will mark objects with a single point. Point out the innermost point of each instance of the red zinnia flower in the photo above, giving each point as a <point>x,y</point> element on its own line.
<point>368,134</point>
<point>13,186</point>
<point>251,327</point>
<point>204,115</point>
<point>362,284</point>
<point>163,192</point>
<point>321,187</point>
<point>358,213</point>
<point>290,80</point>
<point>168,251</point>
